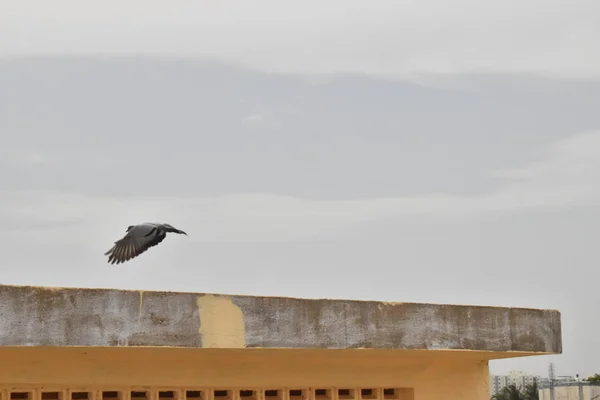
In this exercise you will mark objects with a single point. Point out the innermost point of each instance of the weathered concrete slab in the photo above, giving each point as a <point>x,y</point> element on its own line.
<point>37,316</point>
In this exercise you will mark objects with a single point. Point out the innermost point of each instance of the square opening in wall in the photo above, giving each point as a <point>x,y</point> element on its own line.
<point>80,395</point>
<point>166,395</point>
<point>139,395</point>
<point>111,395</point>
<point>368,394</point>
<point>20,396</point>
<point>194,395</point>
<point>223,395</point>
<point>273,394</point>
<point>346,394</point>
<point>322,394</point>
<point>297,394</point>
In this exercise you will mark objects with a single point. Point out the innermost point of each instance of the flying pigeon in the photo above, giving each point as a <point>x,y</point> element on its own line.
<point>138,239</point>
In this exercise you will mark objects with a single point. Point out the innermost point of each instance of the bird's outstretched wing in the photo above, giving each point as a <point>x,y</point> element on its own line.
<point>134,243</point>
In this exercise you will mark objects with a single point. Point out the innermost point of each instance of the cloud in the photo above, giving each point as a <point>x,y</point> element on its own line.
<point>253,119</point>
<point>566,176</point>
<point>271,116</point>
<point>12,156</point>
<point>20,156</point>
<point>553,37</point>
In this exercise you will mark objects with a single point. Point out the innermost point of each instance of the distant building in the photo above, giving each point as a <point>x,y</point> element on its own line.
<point>565,379</point>
<point>518,378</point>
<point>497,382</point>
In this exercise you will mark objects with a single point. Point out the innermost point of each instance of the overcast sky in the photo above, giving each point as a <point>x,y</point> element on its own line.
<point>424,151</point>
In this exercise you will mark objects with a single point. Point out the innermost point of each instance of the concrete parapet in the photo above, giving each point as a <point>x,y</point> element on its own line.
<point>40,316</point>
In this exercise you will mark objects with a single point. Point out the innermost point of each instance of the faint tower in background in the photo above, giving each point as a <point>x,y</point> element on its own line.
<point>551,377</point>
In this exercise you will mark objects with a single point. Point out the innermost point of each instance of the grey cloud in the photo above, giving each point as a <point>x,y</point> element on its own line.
<point>156,126</point>
<point>549,37</point>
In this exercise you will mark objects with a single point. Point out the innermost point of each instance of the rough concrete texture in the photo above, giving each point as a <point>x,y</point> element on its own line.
<point>37,316</point>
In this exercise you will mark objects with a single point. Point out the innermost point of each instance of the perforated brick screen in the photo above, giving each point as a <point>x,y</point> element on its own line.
<point>191,393</point>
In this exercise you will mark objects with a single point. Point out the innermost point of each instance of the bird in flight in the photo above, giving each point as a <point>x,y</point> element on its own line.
<point>138,239</point>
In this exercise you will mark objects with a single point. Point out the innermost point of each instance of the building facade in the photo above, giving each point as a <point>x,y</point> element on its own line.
<point>518,378</point>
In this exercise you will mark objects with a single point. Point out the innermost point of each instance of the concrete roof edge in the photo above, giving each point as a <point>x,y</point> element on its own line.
<point>53,316</point>
<point>382,302</point>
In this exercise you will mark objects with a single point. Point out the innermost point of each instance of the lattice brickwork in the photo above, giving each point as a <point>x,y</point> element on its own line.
<point>148,393</point>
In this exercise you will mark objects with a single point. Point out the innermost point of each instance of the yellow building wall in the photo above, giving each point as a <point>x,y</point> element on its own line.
<point>38,373</point>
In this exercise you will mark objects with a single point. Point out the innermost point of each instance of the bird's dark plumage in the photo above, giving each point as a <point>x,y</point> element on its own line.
<point>138,239</point>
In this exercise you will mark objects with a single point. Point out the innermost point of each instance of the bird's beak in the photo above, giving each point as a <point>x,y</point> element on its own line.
<point>183,232</point>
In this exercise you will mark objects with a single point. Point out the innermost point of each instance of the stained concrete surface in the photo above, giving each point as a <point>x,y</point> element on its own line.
<point>38,316</point>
